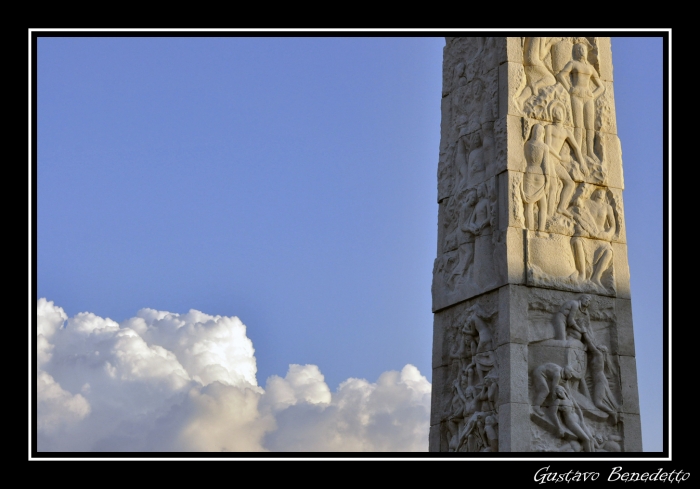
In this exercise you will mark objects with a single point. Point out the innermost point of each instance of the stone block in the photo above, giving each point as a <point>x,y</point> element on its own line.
<point>512,315</point>
<point>441,394</point>
<point>512,207</point>
<point>515,258</point>
<point>612,161</point>
<point>435,439</point>
<point>512,365</point>
<point>551,261</point>
<point>548,311</point>
<point>622,270</point>
<point>514,49</point>
<point>514,427</point>
<point>632,432</point>
<point>538,300</point>
<point>605,67</point>
<point>472,269</point>
<point>449,322</point>
<point>622,335</point>
<point>628,384</point>
<point>509,140</point>
<point>442,321</point>
<point>605,116</point>
<point>511,80</point>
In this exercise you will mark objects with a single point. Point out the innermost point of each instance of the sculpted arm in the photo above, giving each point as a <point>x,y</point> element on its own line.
<point>600,88</point>
<point>563,75</point>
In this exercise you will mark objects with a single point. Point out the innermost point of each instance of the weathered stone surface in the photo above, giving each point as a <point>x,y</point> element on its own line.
<point>622,271</point>
<point>512,358</point>
<point>533,339</point>
<point>628,380</point>
<point>605,58</point>
<point>436,442</point>
<point>632,432</point>
<point>622,336</point>
<point>613,160</point>
<point>514,427</point>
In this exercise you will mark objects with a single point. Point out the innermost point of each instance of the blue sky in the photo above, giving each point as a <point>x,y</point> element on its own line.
<point>290,182</point>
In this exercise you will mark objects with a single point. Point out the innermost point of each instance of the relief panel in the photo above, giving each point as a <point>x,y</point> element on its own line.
<point>466,383</point>
<point>576,395</point>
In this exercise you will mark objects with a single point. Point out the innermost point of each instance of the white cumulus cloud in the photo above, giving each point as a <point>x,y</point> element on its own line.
<point>162,381</point>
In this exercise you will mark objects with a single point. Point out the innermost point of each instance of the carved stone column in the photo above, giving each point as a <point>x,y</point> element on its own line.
<point>533,345</point>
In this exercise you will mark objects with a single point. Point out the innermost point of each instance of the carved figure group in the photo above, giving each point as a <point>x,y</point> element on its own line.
<point>550,93</point>
<point>565,319</point>
<point>593,218</point>
<point>472,413</point>
<point>467,216</point>
<point>559,188</point>
<point>567,393</point>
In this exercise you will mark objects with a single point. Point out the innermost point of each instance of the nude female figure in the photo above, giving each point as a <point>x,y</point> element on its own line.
<point>576,77</point>
<point>536,179</point>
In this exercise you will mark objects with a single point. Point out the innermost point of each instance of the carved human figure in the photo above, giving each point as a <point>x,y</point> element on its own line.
<point>491,429</point>
<point>536,179</point>
<point>556,135</point>
<point>476,163</point>
<point>465,240</point>
<point>489,392</point>
<point>470,405</point>
<point>484,358</point>
<point>572,416</point>
<point>461,154</point>
<point>473,433</point>
<point>611,443</point>
<point>545,380</point>
<point>602,395</point>
<point>577,76</point>
<point>536,72</point>
<point>480,218</point>
<point>596,219</point>
<point>455,414</point>
<point>464,352</point>
<point>566,316</point>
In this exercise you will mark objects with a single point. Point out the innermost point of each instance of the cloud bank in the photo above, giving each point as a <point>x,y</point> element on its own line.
<point>166,382</point>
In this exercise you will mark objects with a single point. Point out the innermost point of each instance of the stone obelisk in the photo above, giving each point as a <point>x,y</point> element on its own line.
<point>533,347</point>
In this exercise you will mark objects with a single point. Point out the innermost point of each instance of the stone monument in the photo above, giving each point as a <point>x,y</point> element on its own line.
<point>533,347</point>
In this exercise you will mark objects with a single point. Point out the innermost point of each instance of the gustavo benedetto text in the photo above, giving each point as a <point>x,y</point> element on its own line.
<point>543,476</point>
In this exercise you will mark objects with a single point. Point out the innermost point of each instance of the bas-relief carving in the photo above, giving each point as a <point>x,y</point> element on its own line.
<point>470,410</point>
<point>574,384</point>
<point>565,72</point>
<point>469,245</point>
<point>580,240</point>
<point>470,108</point>
<point>467,189</point>
<point>561,86</point>
<point>567,210</point>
